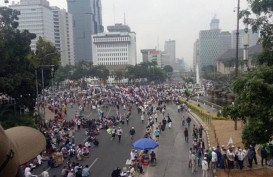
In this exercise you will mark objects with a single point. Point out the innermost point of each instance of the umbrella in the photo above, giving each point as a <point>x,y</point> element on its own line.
<point>145,144</point>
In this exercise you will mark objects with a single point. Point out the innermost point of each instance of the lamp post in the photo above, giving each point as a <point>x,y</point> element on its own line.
<point>246,45</point>
<point>43,84</point>
<point>237,41</point>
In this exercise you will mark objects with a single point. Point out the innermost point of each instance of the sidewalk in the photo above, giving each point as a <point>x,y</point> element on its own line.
<point>258,172</point>
<point>219,131</point>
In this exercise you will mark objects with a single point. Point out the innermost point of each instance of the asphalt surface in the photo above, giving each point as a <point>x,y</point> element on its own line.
<point>172,153</point>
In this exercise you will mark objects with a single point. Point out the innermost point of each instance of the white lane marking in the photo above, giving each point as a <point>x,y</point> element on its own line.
<point>93,163</point>
<point>109,111</point>
<point>42,172</point>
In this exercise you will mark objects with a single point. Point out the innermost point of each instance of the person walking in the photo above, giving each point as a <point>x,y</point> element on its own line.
<point>186,135</point>
<point>250,157</point>
<point>113,133</point>
<point>119,133</point>
<point>142,118</point>
<point>132,133</point>
<point>263,156</point>
<point>127,120</point>
<point>190,154</point>
<point>205,167</point>
<point>169,120</point>
<point>188,121</point>
<point>193,162</point>
<point>157,134</point>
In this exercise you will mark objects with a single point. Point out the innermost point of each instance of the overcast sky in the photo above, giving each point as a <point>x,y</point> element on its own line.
<point>156,21</point>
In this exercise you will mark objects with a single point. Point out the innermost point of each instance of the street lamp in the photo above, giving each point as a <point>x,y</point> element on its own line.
<point>246,45</point>
<point>43,85</point>
<point>237,41</point>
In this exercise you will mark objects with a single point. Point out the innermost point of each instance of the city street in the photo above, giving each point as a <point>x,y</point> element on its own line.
<point>172,153</point>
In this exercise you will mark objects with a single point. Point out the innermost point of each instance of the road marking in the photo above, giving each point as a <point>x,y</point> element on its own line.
<point>43,171</point>
<point>93,163</point>
<point>109,111</point>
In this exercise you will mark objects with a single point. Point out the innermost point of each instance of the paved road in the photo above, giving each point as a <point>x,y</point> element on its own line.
<point>172,153</point>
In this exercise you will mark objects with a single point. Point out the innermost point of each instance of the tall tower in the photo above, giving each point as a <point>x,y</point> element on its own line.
<point>87,20</point>
<point>214,23</point>
<point>64,35</point>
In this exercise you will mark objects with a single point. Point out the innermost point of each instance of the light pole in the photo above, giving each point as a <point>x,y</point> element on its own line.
<point>237,41</point>
<point>246,44</point>
<point>43,84</point>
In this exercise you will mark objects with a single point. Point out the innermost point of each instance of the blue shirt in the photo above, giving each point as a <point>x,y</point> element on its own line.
<point>85,172</point>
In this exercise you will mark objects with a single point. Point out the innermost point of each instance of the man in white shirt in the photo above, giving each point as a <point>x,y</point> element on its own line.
<point>190,154</point>
<point>119,132</point>
<point>230,158</point>
<point>213,158</point>
<point>241,156</point>
<point>193,162</point>
<point>205,167</point>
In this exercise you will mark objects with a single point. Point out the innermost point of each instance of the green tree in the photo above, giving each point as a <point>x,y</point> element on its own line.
<point>263,24</point>
<point>119,75</point>
<point>47,60</point>
<point>63,73</point>
<point>168,69</point>
<point>254,90</point>
<point>254,93</point>
<point>101,72</point>
<point>17,72</point>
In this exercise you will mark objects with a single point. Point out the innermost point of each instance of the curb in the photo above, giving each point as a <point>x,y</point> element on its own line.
<point>206,128</point>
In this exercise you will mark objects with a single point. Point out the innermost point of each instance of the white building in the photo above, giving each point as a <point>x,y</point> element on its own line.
<point>117,47</point>
<point>37,17</point>
<point>63,32</point>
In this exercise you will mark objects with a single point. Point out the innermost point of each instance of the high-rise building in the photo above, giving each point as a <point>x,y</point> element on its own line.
<point>115,47</point>
<point>37,17</point>
<point>87,20</point>
<point>209,47</point>
<point>63,32</point>
<point>225,41</point>
<point>253,38</point>
<point>169,48</point>
<point>212,43</point>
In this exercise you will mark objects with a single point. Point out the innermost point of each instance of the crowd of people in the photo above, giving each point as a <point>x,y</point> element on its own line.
<point>151,104</point>
<point>150,101</point>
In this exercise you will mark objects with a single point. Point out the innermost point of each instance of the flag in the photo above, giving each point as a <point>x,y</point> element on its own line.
<point>230,142</point>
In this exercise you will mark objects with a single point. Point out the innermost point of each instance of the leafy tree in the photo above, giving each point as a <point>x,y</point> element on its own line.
<point>17,74</point>
<point>168,69</point>
<point>46,60</point>
<point>156,74</point>
<point>119,75</point>
<point>8,18</point>
<point>101,72</point>
<point>262,23</point>
<point>254,90</point>
<point>63,73</point>
<point>254,93</point>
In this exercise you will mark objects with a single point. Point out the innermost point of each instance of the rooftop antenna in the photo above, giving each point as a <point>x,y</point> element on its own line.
<point>124,18</point>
